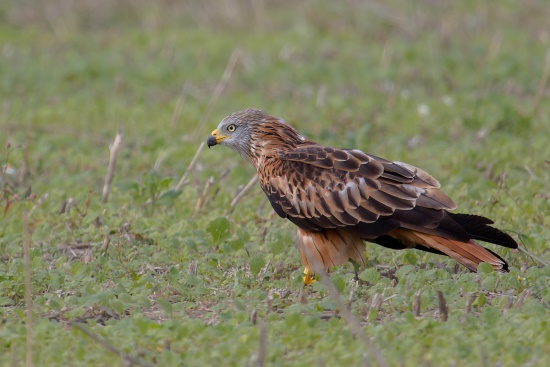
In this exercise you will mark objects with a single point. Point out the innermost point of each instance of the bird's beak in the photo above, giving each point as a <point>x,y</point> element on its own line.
<point>215,139</point>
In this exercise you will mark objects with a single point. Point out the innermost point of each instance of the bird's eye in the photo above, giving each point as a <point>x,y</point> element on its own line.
<point>231,128</point>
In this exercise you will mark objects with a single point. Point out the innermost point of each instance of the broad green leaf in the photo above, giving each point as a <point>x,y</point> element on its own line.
<point>370,275</point>
<point>485,268</point>
<point>219,229</point>
<point>256,264</point>
<point>339,283</point>
<point>165,305</point>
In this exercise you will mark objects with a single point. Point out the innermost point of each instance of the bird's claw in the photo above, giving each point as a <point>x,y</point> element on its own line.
<point>308,277</point>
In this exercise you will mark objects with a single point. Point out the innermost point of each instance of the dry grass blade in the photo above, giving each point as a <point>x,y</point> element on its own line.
<point>179,104</point>
<point>105,244</point>
<point>533,256</point>
<point>128,358</point>
<point>542,84</point>
<point>416,304</point>
<point>241,193</point>
<point>27,238</point>
<point>349,318</point>
<point>262,348</point>
<point>235,56</point>
<point>183,179</point>
<point>202,198</point>
<point>28,295</point>
<point>443,308</point>
<point>375,305</point>
<point>112,165</point>
<point>253,316</point>
<point>470,298</point>
<point>522,297</point>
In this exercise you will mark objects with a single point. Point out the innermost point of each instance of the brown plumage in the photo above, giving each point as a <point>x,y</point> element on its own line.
<point>339,198</point>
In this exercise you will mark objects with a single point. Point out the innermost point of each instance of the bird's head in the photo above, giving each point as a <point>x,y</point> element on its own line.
<point>236,130</point>
<point>253,133</point>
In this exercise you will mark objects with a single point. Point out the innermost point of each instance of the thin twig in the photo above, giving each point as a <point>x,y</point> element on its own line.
<point>470,298</point>
<point>220,87</point>
<point>105,344</point>
<point>269,301</point>
<point>28,294</point>
<point>179,104</point>
<point>14,355</point>
<point>522,297</point>
<point>375,305</point>
<point>443,308</point>
<point>112,166</point>
<point>241,193</point>
<point>500,185</point>
<point>522,249</point>
<point>27,238</point>
<point>262,348</point>
<point>416,304</point>
<point>105,244</point>
<point>542,84</point>
<point>189,168</point>
<point>533,256</point>
<point>349,318</point>
<point>202,198</point>
<point>253,316</point>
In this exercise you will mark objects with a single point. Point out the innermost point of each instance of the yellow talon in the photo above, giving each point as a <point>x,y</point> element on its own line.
<point>308,277</point>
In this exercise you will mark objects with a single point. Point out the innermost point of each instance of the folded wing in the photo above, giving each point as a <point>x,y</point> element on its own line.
<point>319,188</point>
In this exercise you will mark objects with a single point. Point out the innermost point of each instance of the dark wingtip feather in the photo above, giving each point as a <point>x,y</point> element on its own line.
<point>504,263</point>
<point>478,228</point>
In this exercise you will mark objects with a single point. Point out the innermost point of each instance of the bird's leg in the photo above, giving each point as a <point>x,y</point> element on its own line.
<point>308,277</point>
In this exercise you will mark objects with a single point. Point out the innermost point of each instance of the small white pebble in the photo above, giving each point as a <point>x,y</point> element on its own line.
<point>448,100</point>
<point>423,110</point>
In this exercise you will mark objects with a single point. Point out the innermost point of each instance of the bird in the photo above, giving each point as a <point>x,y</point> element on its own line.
<point>341,198</point>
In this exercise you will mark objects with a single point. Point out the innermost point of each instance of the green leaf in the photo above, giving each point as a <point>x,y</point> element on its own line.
<point>219,229</point>
<point>278,239</point>
<point>5,301</point>
<point>165,182</point>
<point>256,264</point>
<point>490,315</point>
<point>370,275</point>
<point>481,300</point>
<point>236,244</point>
<point>411,258</point>
<point>165,305</point>
<point>339,283</point>
<point>54,303</point>
<point>117,306</point>
<point>485,268</point>
<point>131,186</point>
<point>168,197</point>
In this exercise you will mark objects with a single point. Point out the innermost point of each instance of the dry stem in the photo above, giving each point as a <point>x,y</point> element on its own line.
<point>28,296</point>
<point>105,344</point>
<point>112,165</point>
<point>189,168</point>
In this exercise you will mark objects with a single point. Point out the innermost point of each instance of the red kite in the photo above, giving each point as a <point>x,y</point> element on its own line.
<point>340,198</point>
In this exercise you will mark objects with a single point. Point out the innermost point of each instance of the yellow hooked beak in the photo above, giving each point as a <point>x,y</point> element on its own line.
<point>215,139</point>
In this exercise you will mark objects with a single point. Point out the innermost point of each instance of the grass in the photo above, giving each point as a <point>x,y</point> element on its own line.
<point>155,277</point>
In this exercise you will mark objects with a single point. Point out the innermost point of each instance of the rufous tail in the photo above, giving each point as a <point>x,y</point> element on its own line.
<point>469,254</point>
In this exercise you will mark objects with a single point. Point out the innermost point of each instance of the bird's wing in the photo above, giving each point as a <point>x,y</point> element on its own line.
<point>319,187</point>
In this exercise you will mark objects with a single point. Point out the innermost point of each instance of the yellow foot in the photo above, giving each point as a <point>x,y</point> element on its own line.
<point>308,277</point>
